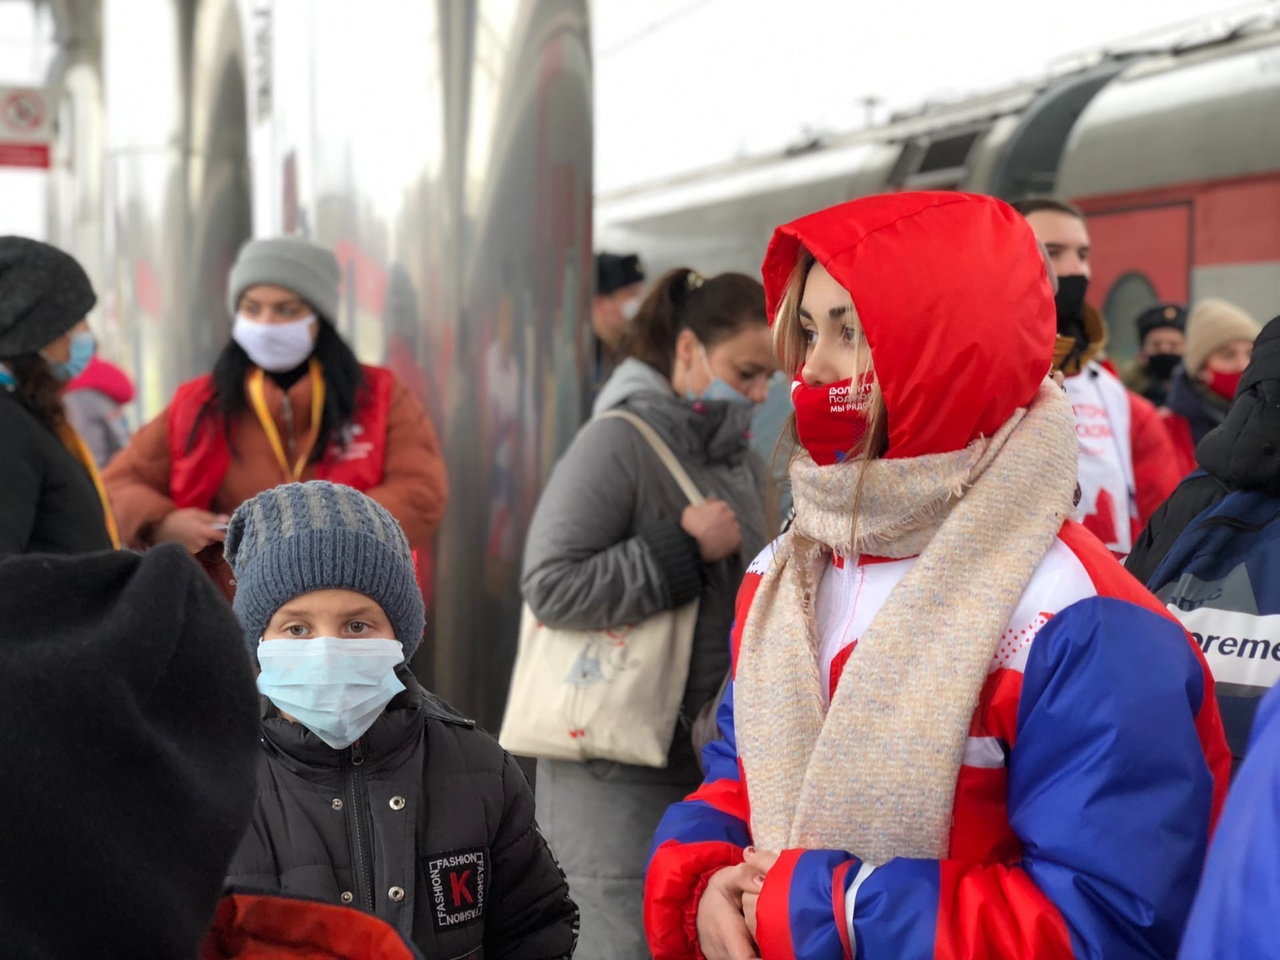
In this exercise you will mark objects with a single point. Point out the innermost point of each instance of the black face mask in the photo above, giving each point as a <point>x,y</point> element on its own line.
<point>1160,366</point>
<point>1070,303</point>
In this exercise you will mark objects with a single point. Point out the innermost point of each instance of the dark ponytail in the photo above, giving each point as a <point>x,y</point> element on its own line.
<point>715,309</point>
<point>343,379</point>
<point>38,389</point>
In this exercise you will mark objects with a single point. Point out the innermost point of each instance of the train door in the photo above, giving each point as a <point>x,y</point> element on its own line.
<point>1140,257</point>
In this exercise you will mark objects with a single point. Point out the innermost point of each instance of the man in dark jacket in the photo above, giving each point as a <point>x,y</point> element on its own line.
<point>371,792</point>
<point>1161,342</point>
<point>1212,551</point>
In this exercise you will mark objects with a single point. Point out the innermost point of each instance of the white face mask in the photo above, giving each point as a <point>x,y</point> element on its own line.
<point>275,347</point>
<point>630,308</point>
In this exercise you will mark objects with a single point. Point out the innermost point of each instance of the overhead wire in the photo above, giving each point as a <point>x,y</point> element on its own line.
<point>655,26</point>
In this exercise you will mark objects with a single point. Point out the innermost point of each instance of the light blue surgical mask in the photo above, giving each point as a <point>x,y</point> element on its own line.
<point>335,688</point>
<point>6,378</point>
<point>718,389</point>
<point>82,348</point>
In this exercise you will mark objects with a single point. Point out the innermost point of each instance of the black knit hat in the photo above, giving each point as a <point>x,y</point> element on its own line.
<point>1172,316</point>
<point>613,272</point>
<point>44,292</point>
<point>129,727</point>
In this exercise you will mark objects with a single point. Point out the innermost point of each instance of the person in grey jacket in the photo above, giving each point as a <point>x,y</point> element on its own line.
<point>614,541</point>
<point>94,402</point>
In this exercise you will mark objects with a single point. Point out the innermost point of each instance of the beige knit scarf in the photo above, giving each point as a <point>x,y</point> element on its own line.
<point>875,774</point>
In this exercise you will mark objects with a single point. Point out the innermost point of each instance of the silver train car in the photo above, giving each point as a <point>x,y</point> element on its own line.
<point>443,149</point>
<point>1173,153</point>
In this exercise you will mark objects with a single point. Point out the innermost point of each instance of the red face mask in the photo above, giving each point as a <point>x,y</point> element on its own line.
<point>831,419</point>
<point>1225,385</point>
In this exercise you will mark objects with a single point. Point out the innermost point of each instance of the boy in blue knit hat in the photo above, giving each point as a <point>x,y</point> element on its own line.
<point>371,791</point>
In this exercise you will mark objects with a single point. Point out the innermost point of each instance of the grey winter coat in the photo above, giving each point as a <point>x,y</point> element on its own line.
<point>99,421</point>
<point>606,547</point>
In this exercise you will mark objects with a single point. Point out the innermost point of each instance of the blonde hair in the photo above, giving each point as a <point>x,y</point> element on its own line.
<point>790,344</point>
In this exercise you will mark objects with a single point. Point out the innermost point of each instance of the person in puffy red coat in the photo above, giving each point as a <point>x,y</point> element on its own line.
<point>956,728</point>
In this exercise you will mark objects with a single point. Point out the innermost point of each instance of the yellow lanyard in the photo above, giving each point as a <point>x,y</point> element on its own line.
<point>258,394</point>
<point>76,445</point>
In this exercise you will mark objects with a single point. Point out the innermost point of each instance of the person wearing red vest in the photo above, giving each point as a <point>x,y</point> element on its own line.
<point>286,401</point>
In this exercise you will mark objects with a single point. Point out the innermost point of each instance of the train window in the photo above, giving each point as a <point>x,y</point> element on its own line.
<point>948,152</point>
<point>903,165</point>
<point>1127,298</point>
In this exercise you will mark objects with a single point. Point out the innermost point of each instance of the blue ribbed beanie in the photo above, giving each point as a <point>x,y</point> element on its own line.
<point>318,535</point>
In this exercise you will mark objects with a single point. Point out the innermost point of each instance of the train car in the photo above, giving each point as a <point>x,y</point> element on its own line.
<point>1173,153</point>
<point>442,148</point>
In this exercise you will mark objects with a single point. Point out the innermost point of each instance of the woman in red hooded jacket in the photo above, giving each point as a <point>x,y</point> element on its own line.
<point>955,727</point>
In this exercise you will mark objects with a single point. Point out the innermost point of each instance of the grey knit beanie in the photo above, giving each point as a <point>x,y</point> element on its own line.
<point>308,270</point>
<point>44,292</point>
<point>318,535</point>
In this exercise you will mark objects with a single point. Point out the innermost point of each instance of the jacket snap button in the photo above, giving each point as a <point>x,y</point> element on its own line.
<point>397,803</point>
<point>337,803</point>
<point>396,894</point>
<point>347,896</point>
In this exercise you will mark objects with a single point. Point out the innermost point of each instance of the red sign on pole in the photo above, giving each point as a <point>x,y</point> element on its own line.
<point>26,128</point>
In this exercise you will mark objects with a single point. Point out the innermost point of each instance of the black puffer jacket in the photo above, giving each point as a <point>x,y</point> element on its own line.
<point>1243,453</point>
<point>424,821</point>
<point>48,503</point>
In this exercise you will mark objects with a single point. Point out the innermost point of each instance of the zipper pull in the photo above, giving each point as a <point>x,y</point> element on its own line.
<point>357,754</point>
<point>286,414</point>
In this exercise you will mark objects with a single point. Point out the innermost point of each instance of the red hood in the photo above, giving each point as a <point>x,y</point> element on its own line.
<point>955,301</point>
<point>106,378</point>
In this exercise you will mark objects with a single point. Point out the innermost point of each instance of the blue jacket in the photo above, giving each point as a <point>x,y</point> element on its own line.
<point>1222,579</point>
<point>1235,912</point>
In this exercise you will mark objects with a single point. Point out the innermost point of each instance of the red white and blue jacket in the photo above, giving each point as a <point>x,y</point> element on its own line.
<point>1094,768</point>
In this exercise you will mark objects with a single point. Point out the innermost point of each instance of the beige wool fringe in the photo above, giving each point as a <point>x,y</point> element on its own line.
<point>875,773</point>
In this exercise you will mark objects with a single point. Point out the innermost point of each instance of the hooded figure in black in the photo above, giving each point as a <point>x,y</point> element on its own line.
<point>128,725</point>
<point>1211,552</point>
<point>1243,453</point>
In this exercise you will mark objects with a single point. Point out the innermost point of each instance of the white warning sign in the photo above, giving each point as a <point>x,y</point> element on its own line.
<point>26,127</point>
